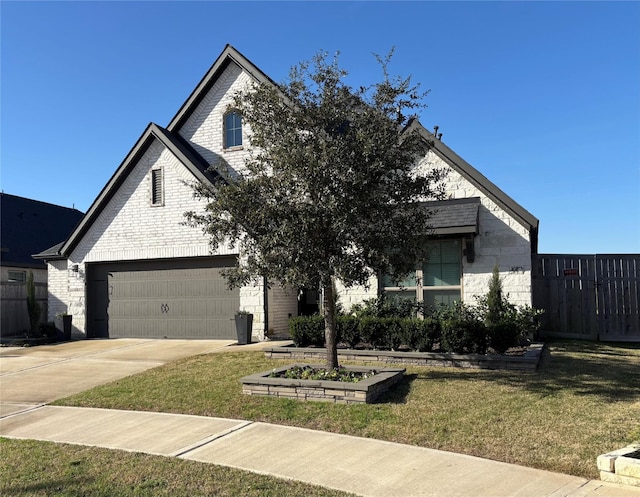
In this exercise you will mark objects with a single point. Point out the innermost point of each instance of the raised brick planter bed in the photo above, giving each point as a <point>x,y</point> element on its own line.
<point>621,466</point>
<point>527,362</point>
<point>363,392</point>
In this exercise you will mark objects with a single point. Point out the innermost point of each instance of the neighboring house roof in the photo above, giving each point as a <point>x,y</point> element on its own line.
<point>184,152</point>
<point>29,226</point>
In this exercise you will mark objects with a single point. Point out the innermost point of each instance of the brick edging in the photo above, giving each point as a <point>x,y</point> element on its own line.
<point>361,392</point>
<point>527,362</point>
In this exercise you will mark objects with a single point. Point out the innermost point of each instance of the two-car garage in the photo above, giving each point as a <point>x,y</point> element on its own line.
<point>173,298</point>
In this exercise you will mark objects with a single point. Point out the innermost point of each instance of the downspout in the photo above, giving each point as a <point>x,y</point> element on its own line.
<point>265,300</point>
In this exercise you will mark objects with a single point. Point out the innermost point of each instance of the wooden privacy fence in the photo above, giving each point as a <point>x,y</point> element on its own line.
<point>14,318</point>
<point>588,296</point>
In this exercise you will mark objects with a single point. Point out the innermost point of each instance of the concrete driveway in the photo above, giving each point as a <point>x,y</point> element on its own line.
<point>33,376</point>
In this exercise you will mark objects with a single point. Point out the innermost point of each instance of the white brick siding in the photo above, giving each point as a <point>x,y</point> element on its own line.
<point>350,296</point>
<point>130,228</point>
<point>501,241</point>
<point>204,129</point>
<point>57,288</point>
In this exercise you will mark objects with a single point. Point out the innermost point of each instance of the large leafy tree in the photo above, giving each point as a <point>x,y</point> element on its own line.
<point>329,193</point>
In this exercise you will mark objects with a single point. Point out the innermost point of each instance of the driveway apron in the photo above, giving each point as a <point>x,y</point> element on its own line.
<point>33,376</point>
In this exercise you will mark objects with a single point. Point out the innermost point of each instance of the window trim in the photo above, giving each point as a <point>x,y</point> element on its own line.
<point>225,143</point>
<point>420,287</point>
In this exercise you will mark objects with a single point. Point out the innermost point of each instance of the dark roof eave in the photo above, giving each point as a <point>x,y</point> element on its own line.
<point>456,230</point>
<point>524,217</point>
<point>229,54</point>
<point>178,147</point>
<point>52,253</point>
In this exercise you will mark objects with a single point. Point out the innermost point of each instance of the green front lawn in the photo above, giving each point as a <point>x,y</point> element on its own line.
<point>31,468</point>
<point>584,401</point>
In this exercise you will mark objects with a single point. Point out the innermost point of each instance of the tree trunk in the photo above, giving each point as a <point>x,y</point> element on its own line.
<point>330,335</point>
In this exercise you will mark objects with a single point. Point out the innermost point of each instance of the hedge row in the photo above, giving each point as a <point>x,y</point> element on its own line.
<point>388,333</point>
<point>459,328</point>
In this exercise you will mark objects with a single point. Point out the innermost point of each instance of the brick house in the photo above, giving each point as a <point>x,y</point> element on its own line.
<point>132,268</point>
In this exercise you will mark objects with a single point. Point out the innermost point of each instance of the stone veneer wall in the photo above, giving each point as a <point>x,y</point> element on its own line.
<point>363,392</point>
<point>527,362</point>
<point>621,466</point>
<point>501,241</point>
<point>130,228</point>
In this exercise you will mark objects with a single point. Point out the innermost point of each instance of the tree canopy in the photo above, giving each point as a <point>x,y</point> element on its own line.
<point>329,191</point>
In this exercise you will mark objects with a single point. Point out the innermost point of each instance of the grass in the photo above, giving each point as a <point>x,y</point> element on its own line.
<point>32,468</point>
<point>584,401</point>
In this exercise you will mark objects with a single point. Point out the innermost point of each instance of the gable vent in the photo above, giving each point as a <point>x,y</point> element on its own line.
<point>156,187</point>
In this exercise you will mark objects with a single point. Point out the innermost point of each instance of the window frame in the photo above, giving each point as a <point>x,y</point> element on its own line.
<point>419,288</point>
<point>12,273</point>
<point>237,126</point>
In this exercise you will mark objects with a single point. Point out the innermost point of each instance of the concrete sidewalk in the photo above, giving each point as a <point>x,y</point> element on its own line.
<point>362,466</point>
<point>32,377</point>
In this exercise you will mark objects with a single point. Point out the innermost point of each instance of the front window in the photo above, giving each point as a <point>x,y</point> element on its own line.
<point>232,130</point>
<point>437,282</point>
<point>442,273</point>
<point>17,276</point>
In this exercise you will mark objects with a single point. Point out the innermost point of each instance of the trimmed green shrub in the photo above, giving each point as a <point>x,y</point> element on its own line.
<point>503,335</point>
<point>494,303</point>
<point>459,328</point>
<point>307,331</point>
<point>463,332</point>
<point>372,331</point>
<point>507,324</point>
<point>385,306</point>
<point>33,307</point>
<point>392,334</point>
<point>420,335</point>
<point>348,330</point>
<point>429,334</point>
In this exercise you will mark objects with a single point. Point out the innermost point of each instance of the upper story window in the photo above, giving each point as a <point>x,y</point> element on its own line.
<point>232,129</point>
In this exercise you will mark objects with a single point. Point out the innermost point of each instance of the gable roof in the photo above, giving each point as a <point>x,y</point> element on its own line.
<point>480,181</point>
<point>229,55</point>
<point>194,162</point>
<point>29,226</point>
<point>170,138</point>
<point>173,142</point>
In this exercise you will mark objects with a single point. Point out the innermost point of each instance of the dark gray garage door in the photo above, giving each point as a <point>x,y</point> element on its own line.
<point>185,298</point>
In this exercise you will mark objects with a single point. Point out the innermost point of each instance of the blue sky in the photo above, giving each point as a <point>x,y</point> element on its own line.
<point>542,97</point>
